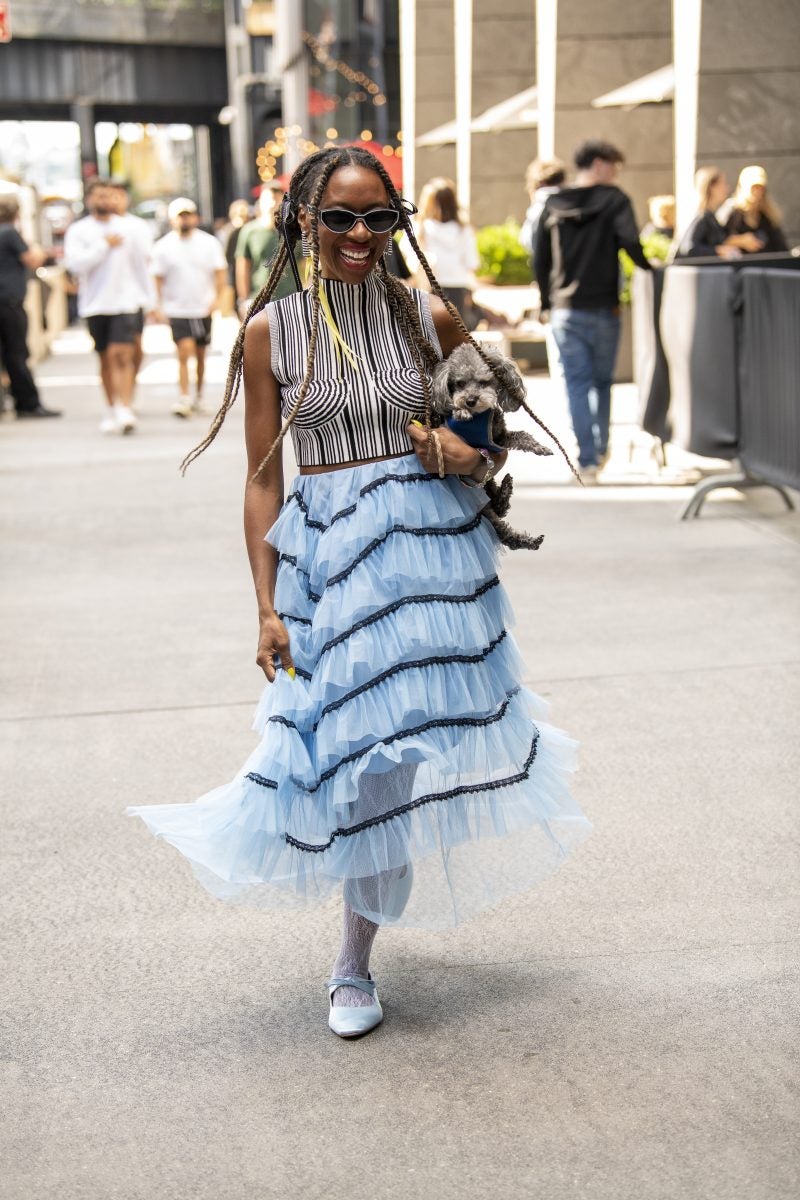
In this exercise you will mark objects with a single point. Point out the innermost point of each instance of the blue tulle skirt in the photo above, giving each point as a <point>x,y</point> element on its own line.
<point>405,763</point>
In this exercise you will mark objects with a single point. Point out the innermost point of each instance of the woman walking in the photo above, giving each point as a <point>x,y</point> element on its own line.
<point>401,762</point>
<point>448,242</point>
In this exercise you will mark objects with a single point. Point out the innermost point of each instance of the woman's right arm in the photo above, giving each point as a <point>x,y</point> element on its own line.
<point>263,497</point>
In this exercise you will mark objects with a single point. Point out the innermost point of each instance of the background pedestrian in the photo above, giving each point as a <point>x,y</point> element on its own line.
<point>255,246</point>
<point>705,237</point>
<point>228,235</point>
<point>16,260</point>
<point>109,254</point>
<point>190,271</point>
<point>448,242</point>
<point>543,178</point>
<point>576,259</point>
<point>752,211</point>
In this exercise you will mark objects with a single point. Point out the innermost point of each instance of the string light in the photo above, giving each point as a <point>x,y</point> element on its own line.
<point>344,69</point>
<point>362,89</point>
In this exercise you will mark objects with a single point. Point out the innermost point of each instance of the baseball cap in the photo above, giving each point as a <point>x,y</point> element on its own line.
<point>182,204</point>
<point>750,176</point>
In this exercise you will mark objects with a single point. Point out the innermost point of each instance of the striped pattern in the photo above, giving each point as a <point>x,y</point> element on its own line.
<point>349,414</point>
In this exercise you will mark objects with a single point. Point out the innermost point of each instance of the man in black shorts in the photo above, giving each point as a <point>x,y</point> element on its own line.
<point>109,254</point>
<point>190,271</point>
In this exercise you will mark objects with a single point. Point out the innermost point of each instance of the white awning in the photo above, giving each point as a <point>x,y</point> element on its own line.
<point>656,88</point>
<point>517,112</point>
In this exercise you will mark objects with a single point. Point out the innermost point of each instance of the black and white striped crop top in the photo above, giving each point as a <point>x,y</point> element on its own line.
<point>350,412</point>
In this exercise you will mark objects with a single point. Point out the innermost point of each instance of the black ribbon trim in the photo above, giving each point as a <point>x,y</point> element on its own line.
<point>379,614</point>
<point>291,617</point>
<point>434,723</point>
<point>416,477</point>
<point>468,789</point>
<point>433,661</point>
<point>432,531</point>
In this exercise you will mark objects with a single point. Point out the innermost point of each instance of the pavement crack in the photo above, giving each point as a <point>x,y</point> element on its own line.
<point>127,712</point>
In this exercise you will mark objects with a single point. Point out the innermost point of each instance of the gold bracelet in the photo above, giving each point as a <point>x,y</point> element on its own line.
<point>439,456</point>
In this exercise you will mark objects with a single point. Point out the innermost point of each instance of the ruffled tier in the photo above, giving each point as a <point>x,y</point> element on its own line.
<point>406,738</point>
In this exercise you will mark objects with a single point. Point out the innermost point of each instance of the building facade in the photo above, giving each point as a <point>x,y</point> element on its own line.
<point>736,92</point>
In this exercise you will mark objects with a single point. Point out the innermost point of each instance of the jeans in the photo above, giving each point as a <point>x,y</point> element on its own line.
<point>14,355</point>
<point>587,341</point>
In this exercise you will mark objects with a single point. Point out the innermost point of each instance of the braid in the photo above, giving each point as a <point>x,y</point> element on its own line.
<point>315,311</point>
<point>424,356</point>
<point>277,266</point>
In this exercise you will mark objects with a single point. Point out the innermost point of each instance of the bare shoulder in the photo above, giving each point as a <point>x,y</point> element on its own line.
<point>256,335</point>
<point>447,331</point>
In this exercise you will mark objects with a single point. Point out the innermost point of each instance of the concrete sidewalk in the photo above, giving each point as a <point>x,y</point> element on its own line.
<point>628,1031</point>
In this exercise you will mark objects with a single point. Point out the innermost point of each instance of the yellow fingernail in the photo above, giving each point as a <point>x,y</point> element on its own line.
<point>290,671</point>
<point>418,424</point>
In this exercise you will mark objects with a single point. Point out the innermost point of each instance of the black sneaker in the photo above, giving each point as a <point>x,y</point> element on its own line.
<point>39,411</point>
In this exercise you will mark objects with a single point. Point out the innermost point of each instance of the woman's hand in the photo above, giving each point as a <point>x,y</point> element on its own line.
<point>459,458</point>
<point>273,640</point>
<point>749,242</point>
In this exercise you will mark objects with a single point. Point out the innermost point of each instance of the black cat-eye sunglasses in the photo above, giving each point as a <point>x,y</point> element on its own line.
<point>377,220</point>
<point>342,220</point>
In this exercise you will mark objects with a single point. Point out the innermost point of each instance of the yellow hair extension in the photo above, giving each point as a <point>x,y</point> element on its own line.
<point>339,344</point>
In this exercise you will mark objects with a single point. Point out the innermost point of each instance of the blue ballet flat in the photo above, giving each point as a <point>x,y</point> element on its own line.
<point>477,431</point>
<point>353,1022</point>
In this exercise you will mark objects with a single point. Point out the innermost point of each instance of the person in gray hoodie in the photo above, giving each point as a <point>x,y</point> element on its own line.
<point>580,234</point>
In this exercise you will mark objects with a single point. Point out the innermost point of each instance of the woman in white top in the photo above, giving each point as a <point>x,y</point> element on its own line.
<point>447,241</point>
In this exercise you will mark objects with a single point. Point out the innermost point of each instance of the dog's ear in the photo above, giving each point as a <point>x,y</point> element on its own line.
<point>513,384</point>
<point>440,392</point>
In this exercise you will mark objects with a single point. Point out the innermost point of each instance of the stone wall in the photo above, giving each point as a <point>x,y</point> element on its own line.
<point>503,63</point>
<point>601,45</point>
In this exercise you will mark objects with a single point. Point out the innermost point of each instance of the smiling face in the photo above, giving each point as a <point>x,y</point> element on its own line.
<point>349,257</point>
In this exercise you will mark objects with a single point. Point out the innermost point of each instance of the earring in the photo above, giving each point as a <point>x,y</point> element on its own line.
<point>304,246</point>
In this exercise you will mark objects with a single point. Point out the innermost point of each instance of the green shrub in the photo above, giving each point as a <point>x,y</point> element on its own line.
<point>503,260</point>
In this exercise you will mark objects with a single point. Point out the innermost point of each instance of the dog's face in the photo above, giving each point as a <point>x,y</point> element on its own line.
<point>465,386</point>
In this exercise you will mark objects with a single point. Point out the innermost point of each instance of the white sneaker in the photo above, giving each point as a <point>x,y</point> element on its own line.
<point>125,418</point>
<point>589,475</point>
<point>182,408</point>
<point>199,408</point>
<point>110,424</point>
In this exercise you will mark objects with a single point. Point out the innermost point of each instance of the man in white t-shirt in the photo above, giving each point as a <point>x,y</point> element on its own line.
<point>109,256</point>
<point>190,271</point>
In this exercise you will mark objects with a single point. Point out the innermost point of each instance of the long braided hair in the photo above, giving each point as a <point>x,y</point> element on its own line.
<point>306,188</point>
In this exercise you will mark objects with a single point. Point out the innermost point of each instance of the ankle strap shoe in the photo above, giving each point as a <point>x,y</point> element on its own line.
<point>348,1022</point>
